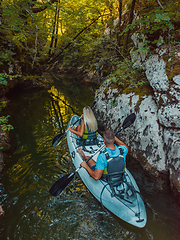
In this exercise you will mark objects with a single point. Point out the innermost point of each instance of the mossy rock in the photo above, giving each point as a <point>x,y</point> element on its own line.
<point>172,62</point>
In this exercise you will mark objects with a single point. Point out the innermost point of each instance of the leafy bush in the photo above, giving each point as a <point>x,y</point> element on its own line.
<point>4,123</point>
<point>5,76</point>
<point>127,77</point>
<point>4,119</point>
<point>155,23</point>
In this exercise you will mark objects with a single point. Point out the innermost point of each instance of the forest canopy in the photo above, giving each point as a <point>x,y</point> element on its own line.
<point>84,33</point>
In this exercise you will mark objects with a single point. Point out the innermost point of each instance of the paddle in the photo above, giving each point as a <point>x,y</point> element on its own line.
<point>62,182</point>
<point>57,138</point>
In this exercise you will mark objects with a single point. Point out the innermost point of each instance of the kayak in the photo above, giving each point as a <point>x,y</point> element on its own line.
<point>127,202</point>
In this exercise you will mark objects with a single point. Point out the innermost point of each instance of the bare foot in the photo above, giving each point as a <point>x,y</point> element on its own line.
<point>80,151</point>
<point>1,211</point>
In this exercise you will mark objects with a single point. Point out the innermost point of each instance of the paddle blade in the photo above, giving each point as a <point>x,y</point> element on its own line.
<point>57,139</point>
<point>61,184</point>
<point>129,120</point>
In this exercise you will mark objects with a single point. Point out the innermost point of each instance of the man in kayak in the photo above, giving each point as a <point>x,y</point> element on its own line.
<point>97,169</point>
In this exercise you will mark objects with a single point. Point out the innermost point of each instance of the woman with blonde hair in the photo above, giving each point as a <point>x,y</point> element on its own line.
<point>87,129</point>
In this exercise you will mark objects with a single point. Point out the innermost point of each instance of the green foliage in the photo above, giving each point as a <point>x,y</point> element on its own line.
<point>93,49</point>
<point>22,32</point>
<point>127,77</point>
<point>114,103</point>
<point>5,76</point>
<point>5,55</point>
<point>4,123</point>
<point>144,47</point>
<point>27,34</point>
<point>3,80</point>
<point>4,120</point>
<point>154,22</point>
<point>2,104</point>
<point>150,23</point>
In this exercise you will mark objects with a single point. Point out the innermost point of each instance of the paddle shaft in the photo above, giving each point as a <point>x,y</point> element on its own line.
<point>73,124</point>
<point>89,158</point>
<point>56,139</point>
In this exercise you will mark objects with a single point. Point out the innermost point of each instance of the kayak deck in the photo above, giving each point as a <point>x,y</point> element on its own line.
<point>126,202</point>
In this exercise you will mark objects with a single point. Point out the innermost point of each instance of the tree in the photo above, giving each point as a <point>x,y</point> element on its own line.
<point>130,22</point>
<point>74,32</point>
<point>119,23</point>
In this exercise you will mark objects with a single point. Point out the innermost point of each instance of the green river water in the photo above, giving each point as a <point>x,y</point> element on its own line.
<point>34,165</point>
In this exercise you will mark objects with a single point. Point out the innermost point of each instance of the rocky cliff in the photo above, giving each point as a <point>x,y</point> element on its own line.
<point>154,138</point>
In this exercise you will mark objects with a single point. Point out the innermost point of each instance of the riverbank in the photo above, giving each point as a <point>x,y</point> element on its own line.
<point>31,83</point>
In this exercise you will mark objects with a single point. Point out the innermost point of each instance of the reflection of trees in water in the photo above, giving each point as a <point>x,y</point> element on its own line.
<point>76,92</point>
<point>60,106</point>
<point>60,123</point>
<point>68,97</point>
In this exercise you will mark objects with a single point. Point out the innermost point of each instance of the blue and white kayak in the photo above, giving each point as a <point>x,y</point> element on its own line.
<point>129,206</point>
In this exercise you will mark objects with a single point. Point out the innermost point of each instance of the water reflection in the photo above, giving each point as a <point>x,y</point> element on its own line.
<point>34,165</point>
<point>60,108</point>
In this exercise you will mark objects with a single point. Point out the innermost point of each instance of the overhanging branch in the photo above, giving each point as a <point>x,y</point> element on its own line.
<point>52,60</point>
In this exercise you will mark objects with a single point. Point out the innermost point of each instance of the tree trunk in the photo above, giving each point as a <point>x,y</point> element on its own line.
<point>57,27</point>
<point>119,23</point>
<point>52,38</point>
<point>130,22</point>
<point>0,13</point>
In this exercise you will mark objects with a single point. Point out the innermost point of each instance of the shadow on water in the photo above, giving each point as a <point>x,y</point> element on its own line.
<point>34,165</point>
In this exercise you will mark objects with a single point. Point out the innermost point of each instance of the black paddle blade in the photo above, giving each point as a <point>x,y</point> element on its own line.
<point>57,138</point>
<point>61,184</point>
<point>129,120</point>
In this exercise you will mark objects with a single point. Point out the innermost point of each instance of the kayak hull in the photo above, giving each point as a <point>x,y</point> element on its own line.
<point>128,205</point>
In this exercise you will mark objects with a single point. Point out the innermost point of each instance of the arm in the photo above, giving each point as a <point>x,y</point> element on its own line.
<point>78,133</point>
<point>96,174</point>
<point>1,211</point>
<point>119,142</point>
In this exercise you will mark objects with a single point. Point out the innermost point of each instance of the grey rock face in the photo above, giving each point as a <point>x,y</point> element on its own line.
<point>155,135</point>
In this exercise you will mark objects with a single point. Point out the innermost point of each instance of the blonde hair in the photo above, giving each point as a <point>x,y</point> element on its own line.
<point>89,119</point>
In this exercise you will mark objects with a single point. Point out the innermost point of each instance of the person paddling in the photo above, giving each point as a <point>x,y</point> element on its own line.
<point>97,169</point>
<point>88,126</point>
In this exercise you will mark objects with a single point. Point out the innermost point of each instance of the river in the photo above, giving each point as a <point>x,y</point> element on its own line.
<point>33,165</point>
